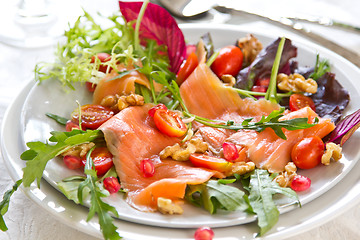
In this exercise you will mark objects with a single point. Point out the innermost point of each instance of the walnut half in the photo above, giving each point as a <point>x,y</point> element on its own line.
<point>333,151</point>
<point>182,153</point>
<point>296,83</point>
<point>166,206</point>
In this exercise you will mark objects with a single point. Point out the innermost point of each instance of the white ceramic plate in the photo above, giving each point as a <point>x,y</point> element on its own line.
<point>34,126</point>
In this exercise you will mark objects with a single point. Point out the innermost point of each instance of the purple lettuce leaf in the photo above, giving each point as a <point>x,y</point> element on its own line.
<point>262,65</point>
<point>331,98</point>
<point>345,128</point>
<point>159,25</point>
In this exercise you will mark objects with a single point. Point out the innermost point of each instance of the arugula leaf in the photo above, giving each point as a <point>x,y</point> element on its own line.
<point>102,209</point>
<point>40,153</point>
<point>321,67</point>
<point>271,121</point>
<point>58,119</point>
<point>4,205</point>
<point>69,187</point>
<point>214,195</point>
<point>262,189</point>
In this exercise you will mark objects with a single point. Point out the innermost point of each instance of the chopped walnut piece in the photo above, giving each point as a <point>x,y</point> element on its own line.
<point>118,103</point>
<point>333,151</point>
<point>228,79</point>
<point>296,83</point>
<point>284,178</point>
<point>166,206</point>
<point>250,47</point>
<point>130,100</point>
<point>182,153</point>
<point>79,150</point>
<point>240,168</point>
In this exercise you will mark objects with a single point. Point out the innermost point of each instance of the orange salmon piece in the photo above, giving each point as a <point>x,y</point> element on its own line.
<point>131,136</point>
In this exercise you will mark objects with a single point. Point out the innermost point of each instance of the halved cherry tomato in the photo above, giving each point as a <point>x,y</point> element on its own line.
<point>169,123</point>
<point>298,101</point>
<point>103,57</point>
<point>230,151</point>
<point>92,115</point>
<point>210,162</point>
<point>307,152</point>
<point>90,86</point>
<point>70,125</point>
<point>187,68</point>
<point>152,110</point>
<point>229,61</point>
<point>102,158</point>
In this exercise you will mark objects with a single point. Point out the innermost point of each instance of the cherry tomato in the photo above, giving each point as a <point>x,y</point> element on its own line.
<point>152,110</point>
<point>210,162</point>
<point>187,68</point>
<point>169,123</point>
<point>70,125</point>
<point>204,233</point>
<point>307,153</point>
<point>72,162</point>
<point>92,116</point>
<point>111,184</point>
<point>102,158</point>
<point>298,101</point>
<point>229,61</point>
<point>103,57</point>
<point>300,183</point>
<point>230,151</point>
<point>147,168</point>
<point>90,86</point>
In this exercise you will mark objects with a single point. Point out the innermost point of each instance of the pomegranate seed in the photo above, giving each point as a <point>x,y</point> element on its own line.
<point>230,151</point>
<point>72,162</point>
<point>300,183</point>
<point>111,184</point>
<point>152,110</point>
<point>204,233</point>
<point>258,89</point>
<point>147,167</point>
<point>70,126</point>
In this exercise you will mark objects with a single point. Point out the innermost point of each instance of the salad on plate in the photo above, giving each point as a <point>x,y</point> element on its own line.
<point>172,123</point>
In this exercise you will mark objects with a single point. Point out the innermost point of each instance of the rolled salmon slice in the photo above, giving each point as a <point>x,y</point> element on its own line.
<point>132,136</point>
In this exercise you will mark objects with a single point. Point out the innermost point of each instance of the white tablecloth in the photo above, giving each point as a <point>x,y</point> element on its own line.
<point>27,220</point>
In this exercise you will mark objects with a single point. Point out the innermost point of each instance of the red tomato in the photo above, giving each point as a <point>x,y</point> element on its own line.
<point>229,61</point>
<point>204,233</point>
<point>111,184</point>
<point>90,86</point>
<point>169,123</point>
<point>307,153</point>
<point>92,116</point>
<point>71,125</point>
<point>152,110</point>
<point>72,162</point>
<point>102,158</point>
<point>103,57</point>
<point>187,68</point>
<point>210,162</point>
<point>300,183</point>
<point>298,101</point>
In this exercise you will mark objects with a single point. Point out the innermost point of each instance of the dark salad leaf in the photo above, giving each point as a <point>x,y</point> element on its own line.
<point>331,98</point>
<point>262,65</point>
<point>159,25</point>
<point>345,128</point>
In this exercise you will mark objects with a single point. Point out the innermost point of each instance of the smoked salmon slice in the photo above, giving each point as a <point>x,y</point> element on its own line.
<point>206,96</point>
<point>132,136</point>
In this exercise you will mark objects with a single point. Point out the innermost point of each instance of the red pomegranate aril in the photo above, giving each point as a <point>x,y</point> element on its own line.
<point>230,151</point>
<point>147,168</point>
<point>152,110</point>
<point>111,184</point>
<point>204,233</point>
<point>300,183</point>
<point>72,162</point>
